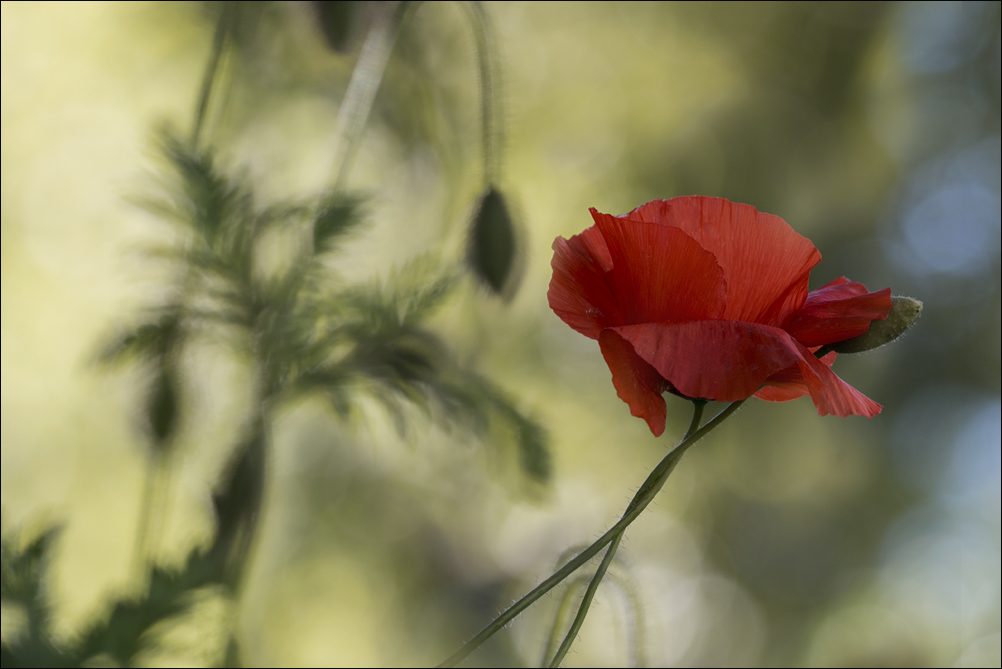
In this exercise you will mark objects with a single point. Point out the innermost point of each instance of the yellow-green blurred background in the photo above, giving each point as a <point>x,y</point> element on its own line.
<point>783,539</point>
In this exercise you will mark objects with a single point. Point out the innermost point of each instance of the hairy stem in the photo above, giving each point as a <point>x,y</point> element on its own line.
<point>644,496</point>
<point>589,595</point>
<point>697,416</point>
<point>558,620</point>
<point>490,90</point>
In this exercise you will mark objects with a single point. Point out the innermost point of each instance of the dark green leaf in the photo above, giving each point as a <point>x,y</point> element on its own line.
<point>337,217</point>
<point>150,340</point>
<point>237,502</point>
<point>125,632</point>
<point>23,584</point>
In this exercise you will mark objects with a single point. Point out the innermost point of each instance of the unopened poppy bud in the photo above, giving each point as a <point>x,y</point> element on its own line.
<point>161,407</point>
<point>904,312</point>
<point>493,245</point>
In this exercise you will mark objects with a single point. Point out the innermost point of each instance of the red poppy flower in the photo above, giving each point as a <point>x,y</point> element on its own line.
<point>707,298</point>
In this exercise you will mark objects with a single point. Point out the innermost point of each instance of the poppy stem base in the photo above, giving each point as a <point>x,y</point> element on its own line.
<point>645,495</point>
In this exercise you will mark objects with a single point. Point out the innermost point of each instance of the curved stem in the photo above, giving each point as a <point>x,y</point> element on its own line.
<point>589,595</point>
<point>650,488</point>
<point>490,91</point>
<point>218,41</point>
<point>697,416</point>
<point>634,608</point>
<point>558,620</point>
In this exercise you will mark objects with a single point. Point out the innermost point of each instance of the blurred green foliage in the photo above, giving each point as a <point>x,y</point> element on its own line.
<point>786,538</point>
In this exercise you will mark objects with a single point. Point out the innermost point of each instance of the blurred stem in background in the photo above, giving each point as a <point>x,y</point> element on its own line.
<point>163,406</point>
<point>302,330</point>
<point>491,96</point>
<point>223,28</point>
<point>365,80</point>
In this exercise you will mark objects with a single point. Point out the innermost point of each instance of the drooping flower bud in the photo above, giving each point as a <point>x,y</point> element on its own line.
<point>904,312</point>
<point>162,407</point>
<point>493,246</point>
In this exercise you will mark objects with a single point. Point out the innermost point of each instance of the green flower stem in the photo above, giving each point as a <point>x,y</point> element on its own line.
<point>610,554</point>
<point>558,620</point>
<point>589,595</point>
<point>644,496</point>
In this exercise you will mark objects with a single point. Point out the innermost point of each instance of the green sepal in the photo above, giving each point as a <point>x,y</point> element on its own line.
<point>904,312</point>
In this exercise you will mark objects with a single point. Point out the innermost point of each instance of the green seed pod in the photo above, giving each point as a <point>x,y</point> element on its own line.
<point>493,246</point>
<point>904,312</point>
<point>162,407</point>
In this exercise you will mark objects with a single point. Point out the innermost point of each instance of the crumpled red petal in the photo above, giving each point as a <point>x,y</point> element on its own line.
<point>730,360</point>
<point>660,274</point>
<point>838,311</point>
<point>832,395</point>
<point>637,383</point>
<point>789,384</point>
<point>716,360</point>
<point>579,293</point>
<point>767,264</point>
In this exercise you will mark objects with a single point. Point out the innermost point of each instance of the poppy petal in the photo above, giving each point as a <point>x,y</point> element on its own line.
<point>637,383</point>
<point>579,292</point>
<point>789,384</point>
<point>766,263</point>
<point>659,273</point>
<point>713,359</point>
<point>838,311</point>
<point>832,395</point>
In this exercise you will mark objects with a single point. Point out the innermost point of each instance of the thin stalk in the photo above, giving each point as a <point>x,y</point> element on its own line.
<point>141,548</point>
<point>490,91</point>
<point>558,620</point>
<point>362,87</point>
<point>635,627</point>
<point>209,78</point>
<point>650,488</point>
<point>697,416</point>
<point>589,595</point>
<point>152,511</point>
